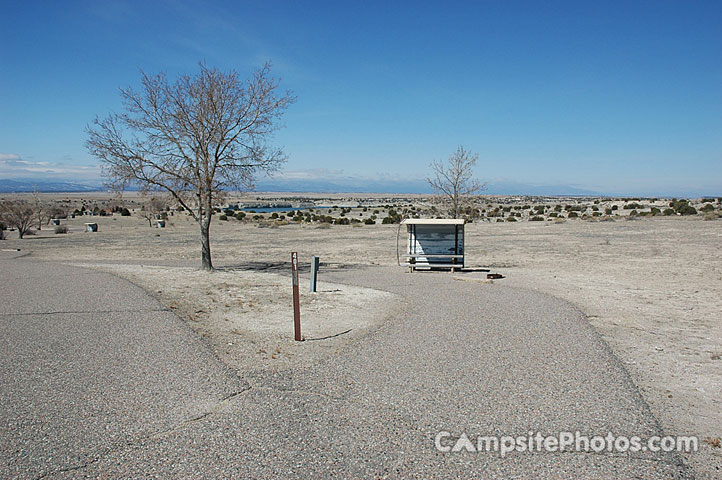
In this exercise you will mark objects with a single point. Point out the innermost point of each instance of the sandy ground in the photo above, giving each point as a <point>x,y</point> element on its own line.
<point>246,315</point>
<point>651,287</point>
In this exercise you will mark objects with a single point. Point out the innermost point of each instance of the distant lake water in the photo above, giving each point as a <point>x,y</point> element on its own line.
<point>279,209</point>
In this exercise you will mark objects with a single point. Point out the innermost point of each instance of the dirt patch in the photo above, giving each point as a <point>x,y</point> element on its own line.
<point>247,316</point>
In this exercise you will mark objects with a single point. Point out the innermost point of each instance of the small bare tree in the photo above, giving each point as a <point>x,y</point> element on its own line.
<point>152,208</point>
<point>454,181</point>
<point>194,139</point>
<point>17,214</point>
<point>41,210</point>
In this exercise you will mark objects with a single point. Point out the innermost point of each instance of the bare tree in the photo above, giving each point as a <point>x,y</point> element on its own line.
<point>40,209</point>
<point>17,214</point>
<point>454,181</point>
<point>194,139</point>
<point>152,208</point>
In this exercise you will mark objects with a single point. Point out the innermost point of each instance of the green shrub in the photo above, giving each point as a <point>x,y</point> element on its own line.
<point>654,211</point>
<point>341,221</point>
<point>668,211</point>
<point>633,213</point>
<point>572,214</point>
<point>615,207</point>
<point>240,215</point>
<point>369,221</point>
<point>223,217</point>
<point>708,207</point>
<point>681,206</point>
<point>608,211</point>
<point>553,214</point>
<point>536,218</point>
<point>124,212</point>
<point>60,229</point>
<point>632,206</point>
<point>687,210</point>
<point>274,215</point>
<point>508,219</point>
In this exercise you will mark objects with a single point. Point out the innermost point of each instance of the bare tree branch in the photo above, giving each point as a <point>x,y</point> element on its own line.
<point>453,180</point>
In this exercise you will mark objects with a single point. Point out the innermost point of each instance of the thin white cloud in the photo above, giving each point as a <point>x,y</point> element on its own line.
<point>13,166</point>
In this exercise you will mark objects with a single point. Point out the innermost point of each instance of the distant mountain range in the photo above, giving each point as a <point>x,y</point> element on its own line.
<point>31,185</point>
<point>344,185</point>
<point>410,186</point>
<point>348,184</point>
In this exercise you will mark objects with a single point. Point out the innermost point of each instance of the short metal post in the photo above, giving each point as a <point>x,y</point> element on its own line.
<point>314,272</point>
<point>296,301</point>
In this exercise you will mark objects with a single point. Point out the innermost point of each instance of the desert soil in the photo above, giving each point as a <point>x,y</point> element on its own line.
<point>651,287</point>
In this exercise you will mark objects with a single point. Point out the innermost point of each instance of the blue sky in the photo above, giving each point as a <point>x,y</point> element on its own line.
<point>621,98</point>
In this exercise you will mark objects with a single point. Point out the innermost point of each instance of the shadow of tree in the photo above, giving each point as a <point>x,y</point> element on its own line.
<point>284,267</point>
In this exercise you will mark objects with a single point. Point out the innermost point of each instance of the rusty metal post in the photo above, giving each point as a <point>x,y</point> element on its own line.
<point>314,272</point>
<point>296,301</point>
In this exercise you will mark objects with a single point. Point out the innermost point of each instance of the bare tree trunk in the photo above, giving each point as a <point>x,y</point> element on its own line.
<point>206,244</point>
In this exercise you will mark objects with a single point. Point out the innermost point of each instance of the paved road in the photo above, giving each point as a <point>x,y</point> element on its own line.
<point>98,380</point>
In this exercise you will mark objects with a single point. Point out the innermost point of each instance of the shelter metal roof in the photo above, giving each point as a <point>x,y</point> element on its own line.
<point>433,221</point>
